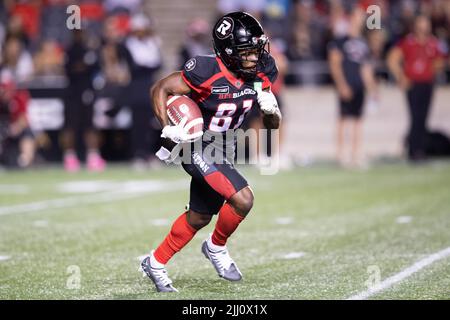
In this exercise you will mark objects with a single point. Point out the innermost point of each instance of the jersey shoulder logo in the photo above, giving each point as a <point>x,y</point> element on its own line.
<point>190,64</point>
<point>225,28</point>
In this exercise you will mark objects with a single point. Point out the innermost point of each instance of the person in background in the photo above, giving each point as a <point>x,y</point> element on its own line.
<point>353,74</point>
<point>13,118</point>
<point>376,40</point>
<point>17,60</point>
<point>114,77</point>
<point>306,34</point>
<point>143,46</point>
<point>196,42</point>
<point>49,60</point>
<point>120,6</point>
<point>414,63</point>
<point>254,7</point>
<point>81,64</point>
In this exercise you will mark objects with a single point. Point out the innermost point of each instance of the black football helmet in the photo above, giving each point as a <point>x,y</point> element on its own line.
<point>236,32</point>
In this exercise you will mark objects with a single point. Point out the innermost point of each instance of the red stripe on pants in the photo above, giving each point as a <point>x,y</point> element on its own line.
<point>219,182</point>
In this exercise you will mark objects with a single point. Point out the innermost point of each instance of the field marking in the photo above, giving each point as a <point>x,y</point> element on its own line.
<point>402,275</point>
<point>293,255</point>
<point>88,186</point>
<point>403,219</point>
<point>14,189</point>
<point>160,222</point>
<point>40,223</point>
<point>127,191</point>
<point>284,220</point>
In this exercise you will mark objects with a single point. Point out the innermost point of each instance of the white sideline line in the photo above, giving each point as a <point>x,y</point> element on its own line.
<point>110,196</point>
<point>402,275</point>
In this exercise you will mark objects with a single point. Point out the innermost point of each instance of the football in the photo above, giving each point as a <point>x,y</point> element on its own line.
<point>179,107</point>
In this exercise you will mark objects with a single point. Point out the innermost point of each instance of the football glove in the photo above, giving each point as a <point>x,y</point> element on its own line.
<point>177,133</point>
<point>267,102</point>
<point>163,154</point>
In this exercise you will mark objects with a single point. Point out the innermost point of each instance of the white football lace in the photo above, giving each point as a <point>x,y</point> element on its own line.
<point>222,259</point>
<point>161,275</point>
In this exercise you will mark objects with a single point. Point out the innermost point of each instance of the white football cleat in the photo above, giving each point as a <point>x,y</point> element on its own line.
<point>158,276</point>
<point>222,262</point>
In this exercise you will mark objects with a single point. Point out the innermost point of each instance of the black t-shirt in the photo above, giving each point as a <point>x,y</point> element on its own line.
<point>355,53</point>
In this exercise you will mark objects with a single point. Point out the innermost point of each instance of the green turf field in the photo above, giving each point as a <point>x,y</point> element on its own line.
<point>314,233</point>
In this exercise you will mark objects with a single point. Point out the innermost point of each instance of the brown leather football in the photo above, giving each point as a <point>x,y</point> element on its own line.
<point>179,107</point>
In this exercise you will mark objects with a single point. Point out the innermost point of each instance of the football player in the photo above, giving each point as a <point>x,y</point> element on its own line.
<point>225,86</point>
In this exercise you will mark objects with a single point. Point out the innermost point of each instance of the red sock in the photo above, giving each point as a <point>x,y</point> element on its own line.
<point>180,234</point>
<point>227,222</point>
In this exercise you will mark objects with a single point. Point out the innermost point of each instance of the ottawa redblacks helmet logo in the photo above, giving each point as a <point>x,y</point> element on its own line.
<point>225,28</point>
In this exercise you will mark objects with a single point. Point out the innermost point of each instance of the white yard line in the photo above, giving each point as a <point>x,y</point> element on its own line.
<point>128,192</point>
<point>293,255</point>
<point>4,258</point>
<point>402,275</point>
<point>13,189</point>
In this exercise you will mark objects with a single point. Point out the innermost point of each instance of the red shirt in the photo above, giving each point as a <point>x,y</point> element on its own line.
<point>419,58</point>
<point>30,17</point>
<point>18,105</point>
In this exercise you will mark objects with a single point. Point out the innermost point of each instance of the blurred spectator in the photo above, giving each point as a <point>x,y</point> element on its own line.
<point>197,41</point>
<point>254,7</point>
<point>114,76</point>
<point>3,13</point>
<point>414,62</point>
<point>92,9</point>
<point>353,74</point>
<point>308,33</point>
<point>339,21</point>
<point>49,60</point>
<point>92,15</point>
<point>17,60</point>
<point>15,129</point>
<point>440,22</point>
<point>2,39</point>
<point>376,40</point>
<point>119,6</point>
<point>29,13</point>
<point>114,55</point>
<point>277,8</point>
<point>300,29</point>
<point>275,20</point>
<point>53,16</point>
<point>403,18</point>
<point>15,29</point>
<point>81,64</point>
<point>144,47</point>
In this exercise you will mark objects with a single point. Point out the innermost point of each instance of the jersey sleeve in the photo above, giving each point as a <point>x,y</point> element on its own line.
<point>269,73</point>
<point>197,70</point>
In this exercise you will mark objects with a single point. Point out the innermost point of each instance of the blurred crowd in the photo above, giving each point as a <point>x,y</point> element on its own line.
<point>303,28</point>
<point>116,56</point>
<point>113,58</point>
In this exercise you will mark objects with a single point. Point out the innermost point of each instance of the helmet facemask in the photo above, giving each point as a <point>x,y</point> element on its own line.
<point>234,56</point>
